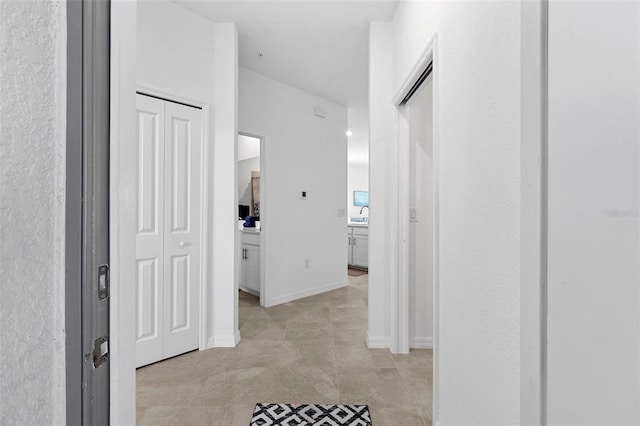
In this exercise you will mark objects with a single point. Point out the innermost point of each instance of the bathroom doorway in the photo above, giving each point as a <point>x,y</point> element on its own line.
<point>250,219</point>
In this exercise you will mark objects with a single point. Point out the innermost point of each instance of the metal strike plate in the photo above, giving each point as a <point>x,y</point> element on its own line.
<point>103,281</point>
<point>100,351</point>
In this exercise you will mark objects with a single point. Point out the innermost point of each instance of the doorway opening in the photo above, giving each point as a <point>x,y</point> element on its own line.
<point>250,189</point>
<point>415,313</point>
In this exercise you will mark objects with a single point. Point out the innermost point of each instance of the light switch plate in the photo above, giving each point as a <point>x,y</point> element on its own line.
<point>413,214</point>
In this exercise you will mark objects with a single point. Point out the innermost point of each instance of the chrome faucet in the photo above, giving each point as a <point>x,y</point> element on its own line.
<point>362,208</point>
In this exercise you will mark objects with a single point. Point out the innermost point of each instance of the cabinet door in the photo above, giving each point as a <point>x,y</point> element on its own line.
<point>349,248</point>
<point>253,268</point>
<point>360,250</point>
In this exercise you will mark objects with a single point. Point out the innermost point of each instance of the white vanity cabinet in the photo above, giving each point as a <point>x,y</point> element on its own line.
<point>250,262</point>
<point>358,251</point>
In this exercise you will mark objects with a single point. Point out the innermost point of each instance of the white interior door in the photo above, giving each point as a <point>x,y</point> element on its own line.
<point>168,233</point>
<point>183,136</point>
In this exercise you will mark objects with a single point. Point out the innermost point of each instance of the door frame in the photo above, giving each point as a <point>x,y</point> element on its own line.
<point>87,203</point>
<point>123,187</point>
<point>204,200</point>
<point>399,298</point>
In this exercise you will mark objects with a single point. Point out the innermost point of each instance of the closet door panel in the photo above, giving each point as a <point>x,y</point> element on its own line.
<point>150,234</point>
<point>182,228</point>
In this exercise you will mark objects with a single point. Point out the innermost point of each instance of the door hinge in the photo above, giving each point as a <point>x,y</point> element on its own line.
<point>103,282</point>
<point>100,351</point>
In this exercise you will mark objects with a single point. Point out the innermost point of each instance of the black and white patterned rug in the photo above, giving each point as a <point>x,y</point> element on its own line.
<point>310,414</point>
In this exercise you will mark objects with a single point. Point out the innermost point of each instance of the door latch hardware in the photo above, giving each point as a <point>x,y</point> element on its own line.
<point>103,281</point>
<point>100,351</point>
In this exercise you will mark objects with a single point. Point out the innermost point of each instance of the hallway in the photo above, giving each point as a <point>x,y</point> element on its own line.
<point>308,351</point>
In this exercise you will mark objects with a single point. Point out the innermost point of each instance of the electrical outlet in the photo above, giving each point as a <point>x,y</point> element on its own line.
<point>306,264</point>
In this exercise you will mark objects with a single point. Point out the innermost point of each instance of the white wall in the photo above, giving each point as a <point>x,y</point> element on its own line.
<point>420,113</point>
<point>477,92</point>
<point>358,116</point>
<point>248,147</point>
<point>357,180</point>
<point>245,167</point>
<point>184,55</point>
<point>301,153</point>
<point>382,153</point>
<point>593,276</point>
<point>32,212</point>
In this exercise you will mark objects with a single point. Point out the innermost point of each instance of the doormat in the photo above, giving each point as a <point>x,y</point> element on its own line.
<point>356,272</point>
<point>310,414</point>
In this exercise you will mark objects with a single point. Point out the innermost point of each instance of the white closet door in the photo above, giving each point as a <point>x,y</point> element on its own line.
<point>168,234</point>
<point>150,230</point>
<point>183,136</point>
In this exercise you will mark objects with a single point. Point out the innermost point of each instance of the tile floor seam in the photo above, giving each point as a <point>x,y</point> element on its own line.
<point>333,350</point>
<point>408,389</point>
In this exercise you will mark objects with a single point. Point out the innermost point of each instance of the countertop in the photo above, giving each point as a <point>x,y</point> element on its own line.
<point>358,224</point>
<point>250,230</point>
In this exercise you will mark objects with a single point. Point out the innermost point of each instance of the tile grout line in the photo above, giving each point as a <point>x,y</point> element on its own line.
<point>404,383</point>
<point>333,350</point>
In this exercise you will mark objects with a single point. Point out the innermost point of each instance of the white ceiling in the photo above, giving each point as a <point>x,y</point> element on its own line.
<point>318,46</point>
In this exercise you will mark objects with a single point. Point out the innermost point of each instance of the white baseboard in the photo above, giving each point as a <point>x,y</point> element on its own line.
<point>249,290</point>
<point>421,342</point>
<point>305,293</point>
<point>224,341</point>
<point>377,342</point>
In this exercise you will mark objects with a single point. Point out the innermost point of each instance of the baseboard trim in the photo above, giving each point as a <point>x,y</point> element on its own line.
<point>306,293</point>
<point>377,342</point>
<point>421,343</point>
<point>249,290</point>
<point>224,341</point>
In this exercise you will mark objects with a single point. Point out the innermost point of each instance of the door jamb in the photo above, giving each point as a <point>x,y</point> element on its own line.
<point>73,216</point>
<point>400,293</point>
<point>122,204</point>
<point>204,202</point>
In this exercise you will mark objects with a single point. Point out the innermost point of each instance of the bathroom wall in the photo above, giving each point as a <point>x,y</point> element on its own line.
<point>245,167</point>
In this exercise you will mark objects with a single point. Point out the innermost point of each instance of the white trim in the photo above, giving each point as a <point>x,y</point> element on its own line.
<point>533,203</point>
<point>403,231</point>
<point>223,341</point>
<point>377,342</point>
<point>416,71</point>
<point>421,343</point>
<point>429,55</point>
<point>305,293</point>
<point>204,200</point>
<point>122,184</point>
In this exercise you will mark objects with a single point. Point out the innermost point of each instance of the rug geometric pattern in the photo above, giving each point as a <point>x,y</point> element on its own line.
<point>310,414</point>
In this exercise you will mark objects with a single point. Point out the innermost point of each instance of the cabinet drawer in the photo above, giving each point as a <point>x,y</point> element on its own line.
<point>360,231</point>
<point>250,238</point>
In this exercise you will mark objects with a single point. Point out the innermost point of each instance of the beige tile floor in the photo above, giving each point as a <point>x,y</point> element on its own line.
<point>308,351</point>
